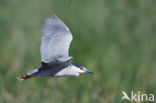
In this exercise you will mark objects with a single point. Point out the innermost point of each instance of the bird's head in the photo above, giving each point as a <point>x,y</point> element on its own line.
<point>81,69</point>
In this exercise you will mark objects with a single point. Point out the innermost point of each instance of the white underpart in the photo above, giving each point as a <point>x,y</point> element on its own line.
<point>69,71</point>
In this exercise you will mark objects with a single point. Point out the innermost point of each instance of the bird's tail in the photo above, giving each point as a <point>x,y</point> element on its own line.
<point>28,75</point>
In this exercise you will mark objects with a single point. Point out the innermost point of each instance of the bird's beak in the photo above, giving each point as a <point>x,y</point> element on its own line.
<point>89,72</point>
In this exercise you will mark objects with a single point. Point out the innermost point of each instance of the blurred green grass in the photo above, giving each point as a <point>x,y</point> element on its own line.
<point>115,39</point>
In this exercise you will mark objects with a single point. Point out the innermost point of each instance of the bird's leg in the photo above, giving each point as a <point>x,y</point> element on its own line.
<point>25,76</point>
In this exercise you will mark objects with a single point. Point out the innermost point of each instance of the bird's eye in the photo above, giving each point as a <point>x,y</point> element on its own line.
<point>81,68</point>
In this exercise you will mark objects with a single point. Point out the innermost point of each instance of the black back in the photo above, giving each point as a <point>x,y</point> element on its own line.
<point>50,69</point>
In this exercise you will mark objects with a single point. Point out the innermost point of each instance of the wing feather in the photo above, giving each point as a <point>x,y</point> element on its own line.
<point>55,41</point>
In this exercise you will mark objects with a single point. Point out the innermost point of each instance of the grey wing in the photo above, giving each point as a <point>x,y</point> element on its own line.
<point>56,40</point>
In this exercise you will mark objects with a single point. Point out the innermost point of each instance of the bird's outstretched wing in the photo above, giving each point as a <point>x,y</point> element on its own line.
<point>56,40</point>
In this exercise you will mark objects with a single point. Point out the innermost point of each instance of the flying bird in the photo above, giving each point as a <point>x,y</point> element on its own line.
<point>55,43</point>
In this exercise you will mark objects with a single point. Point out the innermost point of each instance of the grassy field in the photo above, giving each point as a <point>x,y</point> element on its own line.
<point>116,39</point>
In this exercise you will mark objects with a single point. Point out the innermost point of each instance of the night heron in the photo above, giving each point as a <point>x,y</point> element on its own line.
<point>56,39</point>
